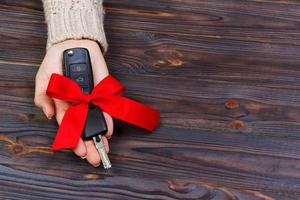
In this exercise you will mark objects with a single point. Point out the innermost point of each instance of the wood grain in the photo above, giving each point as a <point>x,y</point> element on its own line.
<point>224,74</point>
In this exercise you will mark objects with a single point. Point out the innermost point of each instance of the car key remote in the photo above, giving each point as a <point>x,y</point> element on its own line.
<point>77,66</point>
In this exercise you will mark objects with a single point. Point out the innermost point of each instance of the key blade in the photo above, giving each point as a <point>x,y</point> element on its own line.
<point>101,149</point>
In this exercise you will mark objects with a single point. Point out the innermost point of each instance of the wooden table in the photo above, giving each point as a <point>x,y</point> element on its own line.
<point>225,76</point>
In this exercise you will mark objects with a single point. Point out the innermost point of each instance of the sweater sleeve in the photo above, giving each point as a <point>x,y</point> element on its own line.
<point>75,19</point>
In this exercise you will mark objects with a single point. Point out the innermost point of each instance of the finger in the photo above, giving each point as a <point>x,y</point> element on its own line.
<point>98,65</point>
<point>92,155</point>
<point>106,145</point>
<point>80,150</point>
<point>43,101</point>
<point>60,107</point>
<point>110,125</point>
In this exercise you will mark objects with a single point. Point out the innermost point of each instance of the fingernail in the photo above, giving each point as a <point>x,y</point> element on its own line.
<point>83,157</point>
<point>97,165</point>
<point>47,115</point>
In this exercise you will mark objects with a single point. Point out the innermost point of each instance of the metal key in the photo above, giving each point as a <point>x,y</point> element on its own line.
<point>93,130</point>
<point>103,155</point>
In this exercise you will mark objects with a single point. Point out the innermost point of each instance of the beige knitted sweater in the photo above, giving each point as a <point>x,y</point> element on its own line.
<point>75,19</point>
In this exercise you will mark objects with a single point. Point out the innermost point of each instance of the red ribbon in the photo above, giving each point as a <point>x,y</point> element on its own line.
<point>107,95</point>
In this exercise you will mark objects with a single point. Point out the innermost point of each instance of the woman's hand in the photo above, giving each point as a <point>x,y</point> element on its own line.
<point>52,63</point>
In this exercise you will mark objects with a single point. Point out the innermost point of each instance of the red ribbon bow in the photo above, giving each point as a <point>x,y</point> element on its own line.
<point>107,95</point>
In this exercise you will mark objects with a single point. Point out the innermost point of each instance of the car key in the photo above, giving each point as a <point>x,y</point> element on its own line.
<point>77,66</point>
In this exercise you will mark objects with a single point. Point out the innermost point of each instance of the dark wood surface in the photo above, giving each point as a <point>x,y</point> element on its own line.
<point>225,76</point>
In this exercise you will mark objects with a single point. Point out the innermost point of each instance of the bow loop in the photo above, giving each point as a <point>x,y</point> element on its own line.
<point>107,95</point>
<point>64,88</point>
<point>109,86</point>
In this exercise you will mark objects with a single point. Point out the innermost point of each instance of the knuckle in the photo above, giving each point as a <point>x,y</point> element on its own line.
<point>109,133</point>
<point>94,160</point>
<point>80,153</point>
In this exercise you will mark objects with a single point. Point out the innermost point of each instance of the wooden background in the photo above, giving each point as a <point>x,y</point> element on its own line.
<point>225,76</point>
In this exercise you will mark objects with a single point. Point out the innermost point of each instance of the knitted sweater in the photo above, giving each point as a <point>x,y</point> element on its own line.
<point>75,19</point>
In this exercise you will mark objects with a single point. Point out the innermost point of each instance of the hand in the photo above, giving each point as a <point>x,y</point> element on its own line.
<point>52,63</point>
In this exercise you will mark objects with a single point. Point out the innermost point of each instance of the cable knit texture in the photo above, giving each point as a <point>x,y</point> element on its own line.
<point>75,19</point>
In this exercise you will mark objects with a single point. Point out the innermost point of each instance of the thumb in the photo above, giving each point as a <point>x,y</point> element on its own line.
<point>46,103</point>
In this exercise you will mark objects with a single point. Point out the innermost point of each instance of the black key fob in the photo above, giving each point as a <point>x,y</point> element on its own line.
<point>77,66</point>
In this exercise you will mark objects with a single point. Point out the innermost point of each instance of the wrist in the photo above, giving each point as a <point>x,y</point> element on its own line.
<point>75,20</point>
<point>91,45</point>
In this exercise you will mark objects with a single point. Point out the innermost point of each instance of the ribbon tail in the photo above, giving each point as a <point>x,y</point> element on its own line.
<point>131,111</point>
<point>71,127</point>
